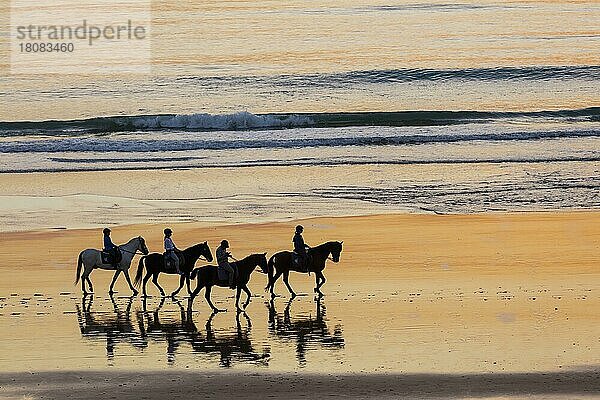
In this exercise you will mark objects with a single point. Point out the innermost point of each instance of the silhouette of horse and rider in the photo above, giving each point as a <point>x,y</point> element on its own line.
<point>234,275</point>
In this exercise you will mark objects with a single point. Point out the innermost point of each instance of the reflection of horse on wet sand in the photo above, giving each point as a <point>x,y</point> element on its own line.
<point>120,327</point>
<point>306,331</point>
<point>231,346</point>
<point>115,327</point>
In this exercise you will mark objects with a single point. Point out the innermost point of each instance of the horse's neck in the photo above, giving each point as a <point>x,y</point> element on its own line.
<point>192,253</point>
<point>321,250</point>
<point>245,263</point>
<point>130,246</point>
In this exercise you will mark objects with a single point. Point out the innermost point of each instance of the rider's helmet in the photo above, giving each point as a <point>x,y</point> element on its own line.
<point>224,244</point>
<point>299,229</point>
<point>168,232</point>
<point>106,231</point>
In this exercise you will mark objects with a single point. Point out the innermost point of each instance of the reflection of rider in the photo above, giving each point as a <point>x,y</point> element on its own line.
<point>170,250</point>
<point>110,247</point>
<point>223,261</point>
<point>300,248</point>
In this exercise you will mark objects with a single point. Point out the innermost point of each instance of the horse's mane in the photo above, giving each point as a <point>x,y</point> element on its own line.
<point>131,240</point>
<point>247,258</point>
<point>197,245</point>
<point>324,245</point>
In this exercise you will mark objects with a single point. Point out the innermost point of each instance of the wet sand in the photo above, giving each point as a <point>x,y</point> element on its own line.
<point>218,385</point>
<point>424,306</point>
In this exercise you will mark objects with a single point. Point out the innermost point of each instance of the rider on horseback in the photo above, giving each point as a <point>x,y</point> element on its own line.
<point>170,250</point>
<point>110,247</point>
<point>223,257</point>
<point>300,249</point>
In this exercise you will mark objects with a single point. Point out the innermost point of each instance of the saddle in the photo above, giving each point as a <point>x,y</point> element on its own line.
<point>301,262</point>
<point>223,275</point>
<point>170,265</point>
<point>110,257</point>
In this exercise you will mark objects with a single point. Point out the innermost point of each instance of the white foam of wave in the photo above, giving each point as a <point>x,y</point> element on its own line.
<point>238,121</point>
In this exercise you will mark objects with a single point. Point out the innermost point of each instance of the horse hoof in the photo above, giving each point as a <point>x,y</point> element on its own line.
<point>135,293</point>
<point>111,293</point>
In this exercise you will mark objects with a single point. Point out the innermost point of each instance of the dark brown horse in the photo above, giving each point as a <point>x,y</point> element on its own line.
<point>155,264</point>
<point>282,263</point>
<point>208,276</point>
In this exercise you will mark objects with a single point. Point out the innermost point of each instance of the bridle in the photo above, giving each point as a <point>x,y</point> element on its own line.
<point>132,252</point>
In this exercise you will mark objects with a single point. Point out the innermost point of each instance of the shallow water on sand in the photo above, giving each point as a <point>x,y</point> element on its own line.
<point>367,325</point>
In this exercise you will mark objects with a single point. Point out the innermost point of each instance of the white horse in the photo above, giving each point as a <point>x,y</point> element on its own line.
<point>91,259</point>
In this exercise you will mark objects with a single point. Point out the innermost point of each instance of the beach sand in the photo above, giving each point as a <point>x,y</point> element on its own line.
<point>424,306</point>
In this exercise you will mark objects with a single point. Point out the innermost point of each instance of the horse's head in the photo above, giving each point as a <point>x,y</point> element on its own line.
<point>335,248</point>
<point>205,251</point>
<point>262,262</point>
<point>142,246</point>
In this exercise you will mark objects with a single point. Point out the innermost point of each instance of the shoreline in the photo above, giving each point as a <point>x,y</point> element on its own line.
<point>189,225</point>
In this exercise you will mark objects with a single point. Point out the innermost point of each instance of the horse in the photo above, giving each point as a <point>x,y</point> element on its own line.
<point>208,277</point>
<point>91,259</point>
<point>155,264</point>
<point>282,263</point>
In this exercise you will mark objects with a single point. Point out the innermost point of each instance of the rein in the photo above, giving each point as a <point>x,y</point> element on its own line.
<point>130,252</point>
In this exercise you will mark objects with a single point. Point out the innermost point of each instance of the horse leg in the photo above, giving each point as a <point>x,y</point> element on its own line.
<point>193,295</point>
<point>245,288</point>
<point>320,282</point>
<point>277,275</point>
<point>187,282</point>
<point>237,299</point>
<point>84,278</point>
<point>286,276</point>
<point>181,279</point>
<point>155,281</point>
<point>128,279</point>
<point>146,279</point>
<point>114,279</point>
<point>87,279</point>
<point>207,296</point>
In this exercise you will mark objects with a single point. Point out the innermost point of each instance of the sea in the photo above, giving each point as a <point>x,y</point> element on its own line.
<point>460,87</point>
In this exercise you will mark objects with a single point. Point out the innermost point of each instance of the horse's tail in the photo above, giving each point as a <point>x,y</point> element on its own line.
<point>194,273</point>
<point>270,270</point>
<point>79,265</point>
<point>140,271</point>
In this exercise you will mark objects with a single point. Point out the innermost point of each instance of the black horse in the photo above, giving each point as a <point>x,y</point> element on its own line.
<point>155,264</point>
<point>282,263</point>
<point>208,277</point>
